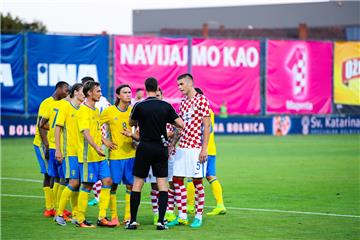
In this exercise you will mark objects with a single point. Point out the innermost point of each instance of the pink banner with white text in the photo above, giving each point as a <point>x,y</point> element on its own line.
<point>228,72</point>
<point>299,77</point>
<point>137,58</point>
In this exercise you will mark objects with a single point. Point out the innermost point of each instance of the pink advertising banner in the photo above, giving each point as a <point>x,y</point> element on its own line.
<point>299,77</point>
<point>137,58</point>
<point>228,72</point>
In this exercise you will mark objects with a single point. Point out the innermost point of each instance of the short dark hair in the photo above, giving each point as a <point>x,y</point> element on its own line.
<point>185,75</point>
<point>198,90</point>
<point>87,79</point>
<point>89,86</point>
<point>151,84</point>
<point>74,88</point>
<point>118,89</point>
<point>60,84</point>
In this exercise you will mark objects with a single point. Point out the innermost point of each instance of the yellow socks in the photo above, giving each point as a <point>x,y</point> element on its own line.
<point>64,199</point>
<point>49,203</point>
<point>55,192</point>
<point>113,205</point>
<point>74,203</point>
<point>82,204</point>
<point>58,195</point>
<point>104,200</point>
<point>127,214</point>
<point>190,189</point>
<point>217,191</point>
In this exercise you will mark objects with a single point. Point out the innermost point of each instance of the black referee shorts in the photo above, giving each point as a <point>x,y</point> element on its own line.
<point>152,154</point>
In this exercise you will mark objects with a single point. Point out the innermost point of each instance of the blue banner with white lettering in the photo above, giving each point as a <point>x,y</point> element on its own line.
<point>54,58</point>
<point>12,74</point>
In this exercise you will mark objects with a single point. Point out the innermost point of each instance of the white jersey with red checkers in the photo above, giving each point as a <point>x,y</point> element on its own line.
<point>192,111</point>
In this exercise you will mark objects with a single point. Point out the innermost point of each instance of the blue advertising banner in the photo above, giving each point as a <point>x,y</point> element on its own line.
<point>54,58</point>
<point>12,74</point>
<point>330,125</point>
<point>11,127</point>
<point>243,126</point>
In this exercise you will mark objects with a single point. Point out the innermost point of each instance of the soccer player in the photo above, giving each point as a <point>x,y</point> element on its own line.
<point>169,216</point>
<point>66,141</point>
<point>191,154</point>
<point>151,115</point>
<point>210,174</point>
<point>102,104</point>
<point>91,157</point>
<point>138,97</point>
<point>122,153</point>
<point>41,146</point>
<point>55,169</point>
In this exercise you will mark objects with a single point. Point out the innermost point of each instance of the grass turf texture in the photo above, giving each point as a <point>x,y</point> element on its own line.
<point>295,173</point>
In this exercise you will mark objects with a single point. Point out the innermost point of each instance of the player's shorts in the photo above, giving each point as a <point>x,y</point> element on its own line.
<point>70,167</point>
<point>91,172</point>
<point>152,179</point>
<point>40,155</point>
<point>121,171</point>
<point>54,167</point>
<point>187,164</point>
<point>211,168</point>
<point>152,154</point>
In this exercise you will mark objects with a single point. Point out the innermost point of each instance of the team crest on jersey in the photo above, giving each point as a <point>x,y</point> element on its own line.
<point>116,118</point>
<point>72,115</point>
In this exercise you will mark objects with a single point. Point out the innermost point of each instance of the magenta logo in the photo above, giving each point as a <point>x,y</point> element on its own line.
<point>297,65</point>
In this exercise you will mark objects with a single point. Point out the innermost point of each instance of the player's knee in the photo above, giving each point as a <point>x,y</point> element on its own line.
<point>209,178</point>
<point>106,181</point>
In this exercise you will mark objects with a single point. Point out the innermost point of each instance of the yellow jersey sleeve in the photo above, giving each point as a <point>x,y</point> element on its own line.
<point>105,116</point>
<point>44,106</point>
<point>211,144</point>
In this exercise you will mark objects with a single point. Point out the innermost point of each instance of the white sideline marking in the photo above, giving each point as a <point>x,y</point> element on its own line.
<point>233,208</point>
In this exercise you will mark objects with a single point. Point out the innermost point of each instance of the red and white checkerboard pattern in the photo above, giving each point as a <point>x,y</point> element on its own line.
<point>192,111</point>
<point>170,129</point>
<point>299,70</point>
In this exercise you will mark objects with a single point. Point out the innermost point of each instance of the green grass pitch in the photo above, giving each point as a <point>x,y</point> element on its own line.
<point>259,175</point>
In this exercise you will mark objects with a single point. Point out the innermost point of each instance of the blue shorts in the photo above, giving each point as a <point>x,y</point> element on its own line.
<point>211,169</point>
<point>55,168</point>
<point>70,167</point>
<point>40,155</point>
<point>121,171</point>
<point>93,171</point>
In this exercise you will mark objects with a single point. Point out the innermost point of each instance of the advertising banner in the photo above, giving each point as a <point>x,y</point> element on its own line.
<point>137,58</point>
<point>228,72</point>
<point>347,73</point>
<point>12,74</point>
<point>299,77</point>
<point>54,58</point>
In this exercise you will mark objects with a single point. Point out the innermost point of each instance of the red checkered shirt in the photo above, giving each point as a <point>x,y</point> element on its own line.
<point>192,111</point>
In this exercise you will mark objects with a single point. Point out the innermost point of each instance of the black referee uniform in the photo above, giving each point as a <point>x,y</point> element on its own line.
<point>152,116</point>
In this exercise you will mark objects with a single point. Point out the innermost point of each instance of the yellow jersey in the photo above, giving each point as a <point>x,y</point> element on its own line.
<point>52,114</point>
<point>70,131</point>
<point>118,120</point>
<point>88,118</point>
<point>43,109</point>
<point>211,144</point>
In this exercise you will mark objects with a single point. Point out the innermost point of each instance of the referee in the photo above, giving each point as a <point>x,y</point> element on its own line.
<point>151,116</point>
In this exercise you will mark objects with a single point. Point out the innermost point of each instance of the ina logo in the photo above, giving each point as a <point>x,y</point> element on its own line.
<point>50,74</point>
<point>297,65</point>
